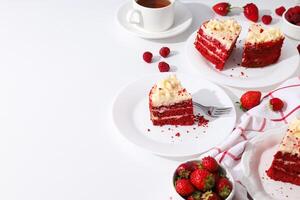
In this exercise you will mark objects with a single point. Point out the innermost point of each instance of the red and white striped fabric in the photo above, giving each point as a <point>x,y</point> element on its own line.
<point>255,122</point>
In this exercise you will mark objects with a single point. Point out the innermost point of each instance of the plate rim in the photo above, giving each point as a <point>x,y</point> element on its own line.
<point>248,180</point>
<point>234,114</point>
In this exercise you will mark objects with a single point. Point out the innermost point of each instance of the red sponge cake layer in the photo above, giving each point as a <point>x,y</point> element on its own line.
<point>262,46</point>
<point>170,103</point>
<point>286,163</point>
<point>216,39</point>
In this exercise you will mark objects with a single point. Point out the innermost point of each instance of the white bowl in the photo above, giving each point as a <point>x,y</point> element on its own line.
<point>228,175</point>
<point>291,30</point>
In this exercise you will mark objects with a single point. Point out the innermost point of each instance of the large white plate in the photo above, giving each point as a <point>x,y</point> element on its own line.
<point>183,20</point>
<point>256,159</point>
<point>238,76</point>
<point>132,118</point>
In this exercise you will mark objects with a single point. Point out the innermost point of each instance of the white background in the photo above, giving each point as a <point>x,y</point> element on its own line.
<point>61,64</point>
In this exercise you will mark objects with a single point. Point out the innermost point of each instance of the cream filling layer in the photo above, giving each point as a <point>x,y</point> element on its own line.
<point>225,31</point>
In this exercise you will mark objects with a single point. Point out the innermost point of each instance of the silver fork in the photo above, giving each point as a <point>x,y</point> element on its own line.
<point>213,110</point>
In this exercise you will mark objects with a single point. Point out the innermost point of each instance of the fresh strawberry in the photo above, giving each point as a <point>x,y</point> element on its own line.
<point>210,164</point>
<point>217,176</point>
<point>195,165</point>
<point>202,179</point>
<point>250,99</point>
<point>147,56</point>
<point>298,47</point>
<point>251,12</point>
<point>163,67</point>
<point>164,52</point>
<point>276,104</point>
<point>280,10</point>
<point>184,187</point>
<point>210,196</point>
<point>184,170</point>
<point>195,196</point>
<point>266,19</point>
<point>222,8</point>
<point>223,187</point>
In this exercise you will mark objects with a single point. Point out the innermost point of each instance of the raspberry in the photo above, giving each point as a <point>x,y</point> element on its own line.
<point>276,104</point>
<point>147,56</point>
<point>163,67</point>
<point>164,52</point>
<point>266,19</point>
<point>279,11</point>
<point>298,47</point>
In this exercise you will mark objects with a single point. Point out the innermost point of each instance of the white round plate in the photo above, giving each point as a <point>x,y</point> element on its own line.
<point>183,20</point>
<point>235,75</point>
<point>131,116</point>
<point>256,159</point>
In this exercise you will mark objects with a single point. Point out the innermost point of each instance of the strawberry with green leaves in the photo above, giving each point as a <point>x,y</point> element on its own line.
<point>202,179</point>
<point>184,187</point>
<point>223,187</point>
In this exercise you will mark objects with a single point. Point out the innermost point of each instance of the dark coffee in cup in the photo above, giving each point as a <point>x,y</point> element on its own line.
<point>154,3</point>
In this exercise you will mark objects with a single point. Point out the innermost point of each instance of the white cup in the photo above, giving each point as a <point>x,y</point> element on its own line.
<point>152,19</point>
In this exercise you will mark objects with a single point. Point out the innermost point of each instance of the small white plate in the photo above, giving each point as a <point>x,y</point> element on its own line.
<point>131,116</point>
<point>256,159</point>
<point>183,20</point>
<point>235,75</point>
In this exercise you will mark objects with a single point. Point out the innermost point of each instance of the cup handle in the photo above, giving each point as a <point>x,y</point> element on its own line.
<point>135,14</point>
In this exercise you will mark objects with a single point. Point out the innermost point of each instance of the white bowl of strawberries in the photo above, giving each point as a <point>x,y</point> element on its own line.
<point>203,179</point>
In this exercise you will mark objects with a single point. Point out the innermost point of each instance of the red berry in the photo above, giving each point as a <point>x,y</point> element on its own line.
<point>202,179</point>
<point>250,99</point>
<point>251,12</point>
<point>210,196</point>
<point>163,67</point>
<point>164,52</point>
<point>266,19</point>
<point>298,47</point>
<point>195,196</point>
<point>222,8</point>
<point>184,187</point>
<point>276,104</point>
<point>147,56</point>
<point>184,170</point>
<point>210,164</point>
<point>280,10</point>
<point>223,187</point>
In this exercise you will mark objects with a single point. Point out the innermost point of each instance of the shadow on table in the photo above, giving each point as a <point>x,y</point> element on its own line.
<point>200,13</point>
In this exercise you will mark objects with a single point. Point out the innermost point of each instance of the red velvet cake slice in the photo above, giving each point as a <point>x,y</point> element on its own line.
<point>262,46</point>
<point>170,103</point>
<point>216,39</point>
<point>286,164</point>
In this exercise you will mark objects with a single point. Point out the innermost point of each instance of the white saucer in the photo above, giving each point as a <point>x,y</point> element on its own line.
<point>256,159</point>
<point>131,117</point>
<point>235,75</point>
<point>183,20</point>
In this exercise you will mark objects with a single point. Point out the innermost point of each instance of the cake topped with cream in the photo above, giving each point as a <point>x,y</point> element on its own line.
<point>225,31</point>
<point>258,34</point>
<point>291,141</point>
<point>168,91</point>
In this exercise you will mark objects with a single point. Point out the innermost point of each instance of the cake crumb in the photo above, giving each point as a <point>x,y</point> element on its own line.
<point>177,134</point>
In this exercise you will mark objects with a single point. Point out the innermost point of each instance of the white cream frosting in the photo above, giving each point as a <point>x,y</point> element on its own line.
<point>291,141</point>
<point>258,34</point>
<point>225,31</point>
<point>168,91</point>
